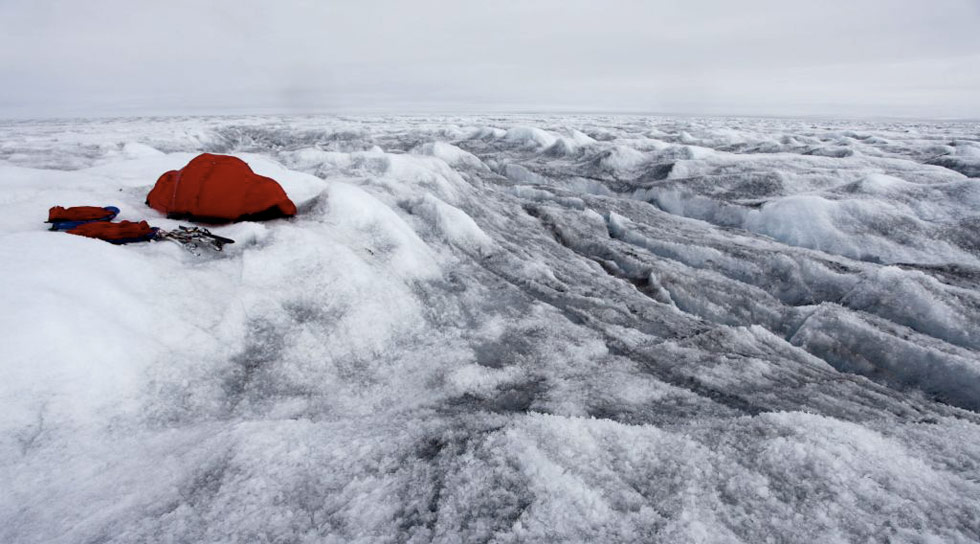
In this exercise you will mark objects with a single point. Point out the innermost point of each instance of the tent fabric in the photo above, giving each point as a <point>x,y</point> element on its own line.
<point>219,189</point>
<point>122,232</point>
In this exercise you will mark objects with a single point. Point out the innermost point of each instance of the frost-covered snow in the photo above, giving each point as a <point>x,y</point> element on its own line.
<point>508,329</point>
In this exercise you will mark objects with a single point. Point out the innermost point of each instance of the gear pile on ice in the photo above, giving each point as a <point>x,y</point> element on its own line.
<point>96,222</point>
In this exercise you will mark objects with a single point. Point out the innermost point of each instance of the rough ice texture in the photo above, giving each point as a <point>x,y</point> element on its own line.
<point>508,329</point>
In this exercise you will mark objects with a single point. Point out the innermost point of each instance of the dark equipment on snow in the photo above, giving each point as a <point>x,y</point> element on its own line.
<point>195,238</point>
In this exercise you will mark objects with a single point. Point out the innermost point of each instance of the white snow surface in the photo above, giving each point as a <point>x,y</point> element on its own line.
<point>499,329</point>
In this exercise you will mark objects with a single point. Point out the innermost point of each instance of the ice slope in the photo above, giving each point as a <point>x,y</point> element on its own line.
<point>507,329</point>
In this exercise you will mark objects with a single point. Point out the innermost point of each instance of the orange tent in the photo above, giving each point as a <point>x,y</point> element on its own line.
<point>219,189</point>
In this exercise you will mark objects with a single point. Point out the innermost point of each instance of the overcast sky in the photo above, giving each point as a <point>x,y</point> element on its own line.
<point>910,58</point>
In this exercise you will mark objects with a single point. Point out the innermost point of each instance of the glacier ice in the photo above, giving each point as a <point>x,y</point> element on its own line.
<point>509,328</point>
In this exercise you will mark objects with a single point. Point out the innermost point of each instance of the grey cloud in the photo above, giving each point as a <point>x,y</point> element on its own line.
<point>872,57</point>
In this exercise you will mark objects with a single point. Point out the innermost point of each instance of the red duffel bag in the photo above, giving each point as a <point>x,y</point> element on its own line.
<point>123,232</point>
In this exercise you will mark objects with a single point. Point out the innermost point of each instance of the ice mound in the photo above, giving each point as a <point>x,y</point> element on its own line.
<point>530,136</point>
<point>451,154</point>
<point>620,158</point>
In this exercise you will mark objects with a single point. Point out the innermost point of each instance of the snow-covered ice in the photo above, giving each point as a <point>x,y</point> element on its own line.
<point>507,329</point>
